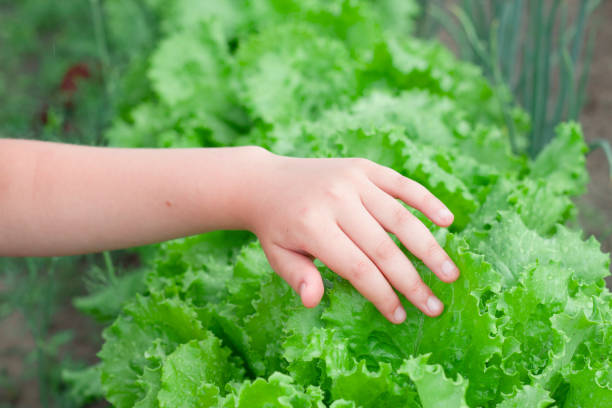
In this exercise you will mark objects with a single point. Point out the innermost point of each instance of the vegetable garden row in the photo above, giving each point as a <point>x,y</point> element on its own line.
<point>528,323</point>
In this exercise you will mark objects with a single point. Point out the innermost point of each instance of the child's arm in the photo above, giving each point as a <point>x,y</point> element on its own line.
<point>60,199</point>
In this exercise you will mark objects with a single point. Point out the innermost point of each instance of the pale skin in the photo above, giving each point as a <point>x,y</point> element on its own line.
<point>58,199</point>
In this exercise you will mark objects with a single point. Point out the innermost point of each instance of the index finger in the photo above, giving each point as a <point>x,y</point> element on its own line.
<point>412,193</point>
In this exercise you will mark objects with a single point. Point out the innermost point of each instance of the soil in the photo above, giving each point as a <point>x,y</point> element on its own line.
<point>596,205</point>
<point>17,349</point>
<point>15,343</point>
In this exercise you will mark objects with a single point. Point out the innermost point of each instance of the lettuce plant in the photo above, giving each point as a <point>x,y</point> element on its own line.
<point>529,322</point>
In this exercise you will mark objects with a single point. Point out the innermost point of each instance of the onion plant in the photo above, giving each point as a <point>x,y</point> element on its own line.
<point>540,50</point>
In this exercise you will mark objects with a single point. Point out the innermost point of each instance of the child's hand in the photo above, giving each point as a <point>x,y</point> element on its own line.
<point>339,211</point>
<point>64,199</point>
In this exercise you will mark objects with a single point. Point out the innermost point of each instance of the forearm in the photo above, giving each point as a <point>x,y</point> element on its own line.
<point>60,199</point>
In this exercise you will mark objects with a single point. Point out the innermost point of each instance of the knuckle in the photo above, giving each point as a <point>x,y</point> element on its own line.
<point>414,288</point>
<point>361,163</point>
<point>401,217</point>
<point>400,182</point>
<point>308,218</point>
<point>255,149</point>
<point>427,199</point>
<point>385,250</point>
<point>431,248</point>
<point>334,191</point>
<point>354,168</point>
<point>359,272</point>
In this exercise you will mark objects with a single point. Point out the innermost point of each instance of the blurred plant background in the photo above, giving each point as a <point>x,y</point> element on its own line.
<point>64,78</point>
<point>541,51</point>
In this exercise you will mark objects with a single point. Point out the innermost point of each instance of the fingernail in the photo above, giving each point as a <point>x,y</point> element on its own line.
<point>301,288</point>
<point>445,215</point>
<point>434,305</point>
<point>449,269</point>
<point>399,315</point>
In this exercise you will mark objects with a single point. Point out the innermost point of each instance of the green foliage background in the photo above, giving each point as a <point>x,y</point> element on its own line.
<point>206,322</point>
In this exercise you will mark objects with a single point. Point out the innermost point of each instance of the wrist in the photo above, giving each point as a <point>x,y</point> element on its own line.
<point>253,168</point>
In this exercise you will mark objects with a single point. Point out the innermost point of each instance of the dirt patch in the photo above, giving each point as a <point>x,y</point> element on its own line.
<point>16,343</point>
<point>596,205</point>
<point>34,350</point>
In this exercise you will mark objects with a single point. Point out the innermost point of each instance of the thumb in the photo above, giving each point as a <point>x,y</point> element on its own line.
<point>298,271</point>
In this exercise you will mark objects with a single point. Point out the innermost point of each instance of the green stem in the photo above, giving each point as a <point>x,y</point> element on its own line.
<point>543,129</point>
<point>576,52</point>
<point>510,48</point>
<point>96,14</point>
<point>565,71</point>
<point>584,75</point>
<point>534,106</point>
<point>110,268</point>
<point>454,30</point>
<point>607,149</point>
<point>505,104</point>
<point>31,267</point>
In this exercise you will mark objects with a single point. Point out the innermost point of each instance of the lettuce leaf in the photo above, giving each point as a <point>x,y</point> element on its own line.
<point>435,390</point>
